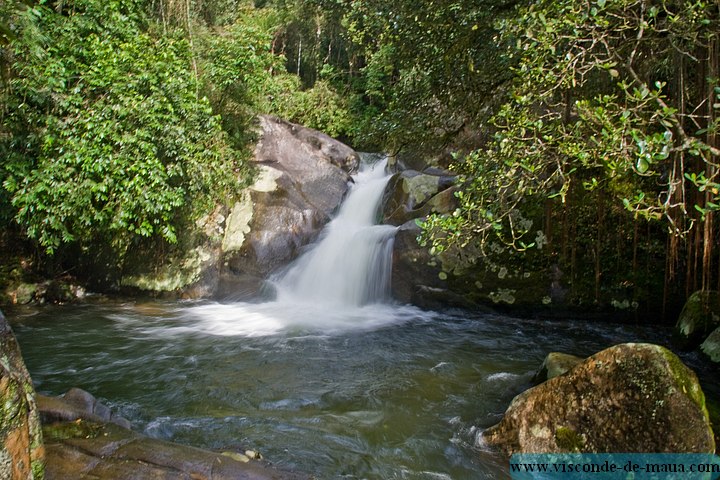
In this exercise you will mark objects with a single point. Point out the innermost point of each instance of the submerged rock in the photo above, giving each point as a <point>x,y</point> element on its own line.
<point>21,449</point>
<point>556,364</point>
<point>75,405</point>
<point>104,451</point>
<point>627,398</point>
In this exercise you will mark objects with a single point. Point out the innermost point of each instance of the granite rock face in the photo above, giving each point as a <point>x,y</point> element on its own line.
<point>302,177</point>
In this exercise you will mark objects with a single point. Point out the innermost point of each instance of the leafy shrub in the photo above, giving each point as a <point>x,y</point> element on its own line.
<point>108,136</point>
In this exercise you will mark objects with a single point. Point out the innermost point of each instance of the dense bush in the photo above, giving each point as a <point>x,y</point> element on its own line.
<point>106,135</point>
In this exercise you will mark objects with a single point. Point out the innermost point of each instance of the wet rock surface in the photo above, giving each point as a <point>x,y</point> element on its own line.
<point>627,398</point>
<point>304,175</point>
<point>89,450</point>
<point>556,364</point>
<point>85,440</point>
<point>74,405</point>
<point>21,448</point>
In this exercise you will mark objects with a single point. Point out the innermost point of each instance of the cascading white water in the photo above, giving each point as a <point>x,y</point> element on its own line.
<point>351,265</point>
<point>342,283</point>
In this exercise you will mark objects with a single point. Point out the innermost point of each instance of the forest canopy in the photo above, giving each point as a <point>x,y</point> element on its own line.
<point>584,132</point>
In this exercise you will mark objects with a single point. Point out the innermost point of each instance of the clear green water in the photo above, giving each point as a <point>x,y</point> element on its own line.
<point>386,393</point>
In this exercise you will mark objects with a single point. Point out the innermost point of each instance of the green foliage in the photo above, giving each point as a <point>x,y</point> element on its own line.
<point>413,74</point>
<point>109,139</point>
<point>430,67</point>
<point>236,68</point>
<point>590,105</point>
<point>604,156</point>
<point>320,107</point>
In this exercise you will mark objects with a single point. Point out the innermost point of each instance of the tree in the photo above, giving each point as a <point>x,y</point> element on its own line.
<point>617,99</point>
<point>108,140</point>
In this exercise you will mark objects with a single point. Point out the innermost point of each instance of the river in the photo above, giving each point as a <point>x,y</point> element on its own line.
<point>329,378</point>
<point>396,400</point>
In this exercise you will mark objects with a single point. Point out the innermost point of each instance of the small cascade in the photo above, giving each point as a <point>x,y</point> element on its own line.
<point>341,283</point>
<point>351,265</point>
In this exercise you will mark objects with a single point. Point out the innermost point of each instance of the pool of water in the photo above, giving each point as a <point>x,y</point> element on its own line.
<point>378,392</point>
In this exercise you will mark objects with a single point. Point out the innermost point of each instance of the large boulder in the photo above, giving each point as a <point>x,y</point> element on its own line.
<point>627,398</point>
<point>699,317</point>
<point>304,175</point>
<point>22,454</point>
<point>411,194</point>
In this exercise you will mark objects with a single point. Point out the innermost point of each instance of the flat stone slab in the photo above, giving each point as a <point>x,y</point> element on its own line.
<point>98,451</point>
<point>83,440</point>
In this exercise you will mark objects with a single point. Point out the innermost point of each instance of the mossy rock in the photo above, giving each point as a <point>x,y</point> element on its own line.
<point>711,346</point>
<point>22,452</point>
<point>411,194</point>
<point>77,429</point>
<point>698,318</point>
<point>627,398</point>
<point>569,440</point>
<point>22,293</point>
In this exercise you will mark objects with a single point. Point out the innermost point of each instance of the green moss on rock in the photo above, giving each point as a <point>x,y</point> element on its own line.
<point>569,440</point>
<point>20,435</point>
<point>77,429</point>
<point>627,398</point>
<point>685,380</point>
<point>172,276</point>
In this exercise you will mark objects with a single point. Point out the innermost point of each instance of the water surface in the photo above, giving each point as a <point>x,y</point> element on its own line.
<point>380,392</point>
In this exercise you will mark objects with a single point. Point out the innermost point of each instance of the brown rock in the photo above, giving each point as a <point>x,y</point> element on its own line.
<point>627,398</point>
<point>21,449</point>
<point>86,450</point>
<point>76,404</point>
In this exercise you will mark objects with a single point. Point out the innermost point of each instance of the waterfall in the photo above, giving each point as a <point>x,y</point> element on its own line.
<point>341,283</point>
<point>351,265</point>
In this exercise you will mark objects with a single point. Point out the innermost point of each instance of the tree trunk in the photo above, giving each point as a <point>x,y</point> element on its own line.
<point>710,168</point>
